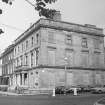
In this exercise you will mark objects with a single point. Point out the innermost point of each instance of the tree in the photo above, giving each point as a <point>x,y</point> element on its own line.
<point>43,11</point>
<point>7,2</point>
<point>40,7</point>
<point>1,31</point>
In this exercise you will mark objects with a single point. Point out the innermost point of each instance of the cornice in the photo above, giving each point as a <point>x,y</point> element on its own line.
<point>68,67</point>
<point>86,25</point>
<point>61,67</point>
<point>73,30</point>
<point>60,25</point>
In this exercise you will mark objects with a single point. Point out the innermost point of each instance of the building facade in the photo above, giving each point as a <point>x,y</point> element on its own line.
<point>0,71</point>
<point>52,53</point>
<point>7,58</point>
<point>0,67</point>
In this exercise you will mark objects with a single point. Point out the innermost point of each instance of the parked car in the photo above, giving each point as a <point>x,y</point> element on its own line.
<point>68,90</point>
<point>100,102</point>
<point>86,88</point>
<point>63,90</point>
<point>60,90</point>
<point>82,88</point>
<point>98,90</point>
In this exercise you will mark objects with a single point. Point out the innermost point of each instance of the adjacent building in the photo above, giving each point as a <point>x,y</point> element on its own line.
<point>52,53</point>
<point>0,71</point>
<point>7,58</point>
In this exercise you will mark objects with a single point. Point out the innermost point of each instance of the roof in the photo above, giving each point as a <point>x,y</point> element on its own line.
<point>7,50</point>
<point>61,25</point>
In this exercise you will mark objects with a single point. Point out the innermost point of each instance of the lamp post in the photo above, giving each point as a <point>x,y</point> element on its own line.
<point>75,89</point>
<point>65,71</point>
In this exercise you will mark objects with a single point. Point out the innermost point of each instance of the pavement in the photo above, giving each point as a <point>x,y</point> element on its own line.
<point>7,93</point>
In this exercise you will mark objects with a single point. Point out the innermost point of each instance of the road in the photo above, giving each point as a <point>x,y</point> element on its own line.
<point>49,100</point>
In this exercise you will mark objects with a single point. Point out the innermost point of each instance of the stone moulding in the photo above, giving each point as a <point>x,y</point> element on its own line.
<point>62,67</point>
<point>60,25</point>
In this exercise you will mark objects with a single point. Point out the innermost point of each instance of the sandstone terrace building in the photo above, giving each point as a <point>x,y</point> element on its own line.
<point>7,70</point>
<point>40,52</point>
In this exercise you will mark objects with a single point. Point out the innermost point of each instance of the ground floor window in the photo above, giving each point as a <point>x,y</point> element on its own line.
<point>25,78</point>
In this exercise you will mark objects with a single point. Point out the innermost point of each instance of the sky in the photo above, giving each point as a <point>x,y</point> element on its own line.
<point>20,15</point>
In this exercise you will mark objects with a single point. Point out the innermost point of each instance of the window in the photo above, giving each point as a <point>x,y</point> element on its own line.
<point>37,56</point>
<point>86,78</point>
<point>32,59</point>
<point>26,44</point>
<point>37,38</point>
<point>84,42</point>
<point>97,59</point>
<point>98,79</point>
<point>85,58</point>
<point>70,79</point>
<point>25,75</point>
<point>32,41</point>
<point>17,61</point>
<point>51,37</point>
<point>21,60</point>
<point>26,59</point>
<point>22,47</point>
<point>68,39</point>
<point>96,43</point>
<point>25,78</point>
<point>51,57</point>
<point>18,49</point>
<point>15,51</point>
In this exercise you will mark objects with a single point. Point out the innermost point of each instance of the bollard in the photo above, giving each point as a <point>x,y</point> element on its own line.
<point>53,92</point>
<point>75,91</point>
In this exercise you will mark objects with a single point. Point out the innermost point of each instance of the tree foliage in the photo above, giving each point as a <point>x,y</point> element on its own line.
<point>40,7</point>
<point>1,31</point>
<point>43,11</point>
<point>7,1</point>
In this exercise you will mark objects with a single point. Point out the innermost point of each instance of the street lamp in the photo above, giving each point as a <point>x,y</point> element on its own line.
<point>65,71</point>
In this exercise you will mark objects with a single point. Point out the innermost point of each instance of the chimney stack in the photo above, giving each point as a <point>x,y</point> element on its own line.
<point>57,16</point>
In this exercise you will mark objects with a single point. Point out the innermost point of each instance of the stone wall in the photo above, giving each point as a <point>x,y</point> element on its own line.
<point>60,47</point>
<point>74,77</point>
